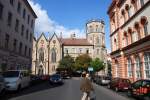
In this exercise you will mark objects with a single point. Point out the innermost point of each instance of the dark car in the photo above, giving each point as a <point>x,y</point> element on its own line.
<point>56,79</point>
<point>140,89</point>
<point>119,84</point>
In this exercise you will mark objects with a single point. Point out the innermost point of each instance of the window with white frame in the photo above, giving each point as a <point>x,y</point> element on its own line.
<point>138,67</point>
<point>129,67</point>
<point>147,64</point>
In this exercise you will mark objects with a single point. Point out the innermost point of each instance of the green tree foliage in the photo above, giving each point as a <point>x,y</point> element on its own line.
<point>97,64</point>
<point>82,62</point>
<point>66,62</point>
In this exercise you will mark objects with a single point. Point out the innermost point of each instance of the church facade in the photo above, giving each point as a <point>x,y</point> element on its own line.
<point>47,53</point>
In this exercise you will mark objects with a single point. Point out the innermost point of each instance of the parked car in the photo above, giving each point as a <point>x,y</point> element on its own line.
<point>56,79</point>
<point>103,80</point>
<point>44,77</point>
<point>119,84</point>
<point>2,85</point>
<point>140,89</point>
<point>16,79</point>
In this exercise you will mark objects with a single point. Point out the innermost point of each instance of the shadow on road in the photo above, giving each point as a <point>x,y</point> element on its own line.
<point>33,88</point>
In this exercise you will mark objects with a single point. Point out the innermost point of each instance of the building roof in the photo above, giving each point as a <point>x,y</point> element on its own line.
<point>75,42</point>
<point>30,8</point>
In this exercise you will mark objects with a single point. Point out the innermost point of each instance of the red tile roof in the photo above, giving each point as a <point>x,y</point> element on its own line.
<point>75,42</point>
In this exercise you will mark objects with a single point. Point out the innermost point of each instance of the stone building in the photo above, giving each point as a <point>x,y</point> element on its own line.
<point>130,38</point>
<point>17,20</point>
<point>48,52</point>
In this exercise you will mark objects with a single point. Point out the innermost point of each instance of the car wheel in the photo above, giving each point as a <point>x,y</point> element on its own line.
<point>116,89</point>
<point>19,88</point>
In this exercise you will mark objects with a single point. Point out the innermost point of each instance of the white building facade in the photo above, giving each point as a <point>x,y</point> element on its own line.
<point>17,20</point>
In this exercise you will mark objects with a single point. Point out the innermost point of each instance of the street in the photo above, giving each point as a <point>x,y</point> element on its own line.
<point>70,90</point>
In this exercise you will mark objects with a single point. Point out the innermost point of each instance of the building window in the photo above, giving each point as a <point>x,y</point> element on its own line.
<point>53,55</point>
<point>25,51</point>
<point>15,45</point>
<point>87,51</point>
<point>147,64</point>
<point>6,41</point>
<point>66,50</point>
<point>30,37</point>
<point>17,25</point>
<point>20,48</point>
<point>27,34</point>
<point>129,68</point>
<point>96,30</point>
<point>28,19</point>
<point>142,2</point>
<point>97,40</point>
<point>146,28</point>
<point>32,23</point>
<point>138,68</point>
<point>11,2</point>
<point>97,51</point>
<point>134,36</point>
<point>24,13</point>
<point>91,29</point>
<point>1,10</point>
<point>29,52</point>
<point>22,30</point>
<point>41,55</point>
<point>73,50</point>
<point>19,7</point>
<point>9,20</point>
<point>80,50</point>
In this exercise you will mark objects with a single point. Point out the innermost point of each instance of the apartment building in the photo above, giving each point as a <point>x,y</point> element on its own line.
<point>130,38</point>
<point>17,20</point>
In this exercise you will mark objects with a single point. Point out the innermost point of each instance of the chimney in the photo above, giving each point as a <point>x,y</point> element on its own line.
<point>73,36</point>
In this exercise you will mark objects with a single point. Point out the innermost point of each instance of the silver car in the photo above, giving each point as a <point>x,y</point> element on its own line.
<point>2,85</point>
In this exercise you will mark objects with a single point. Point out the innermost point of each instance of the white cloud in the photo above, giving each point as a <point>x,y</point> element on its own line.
<point>45,24</point>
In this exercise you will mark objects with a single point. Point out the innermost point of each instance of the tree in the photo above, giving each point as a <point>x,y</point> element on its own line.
<point>97,64</point>
<point>66,62</point>
<point>82,62</point>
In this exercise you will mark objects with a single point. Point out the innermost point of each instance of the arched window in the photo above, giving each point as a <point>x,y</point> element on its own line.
<point>96,28</point>
<point>147,65</point>
<point>123,15</point>
<point>97,40</point>
<point>137,27</point>
<point>125,38</point>
<point>141,2</point>
<point>129,68</point>
<point>144,22</point>
<point>134,36</point>
<point>128,10</point>
<point>138,67</point>
<point>41,55</point>
<point>53,55</point>
<point>134,3</point>
<point>91,29</point>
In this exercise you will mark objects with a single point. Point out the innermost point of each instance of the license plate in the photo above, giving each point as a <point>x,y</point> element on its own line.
<point>126,88</point>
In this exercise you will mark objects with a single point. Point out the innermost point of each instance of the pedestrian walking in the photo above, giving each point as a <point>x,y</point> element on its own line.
<point>86,87</point>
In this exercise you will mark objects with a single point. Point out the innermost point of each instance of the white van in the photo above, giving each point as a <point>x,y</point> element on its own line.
<point>16,79</point>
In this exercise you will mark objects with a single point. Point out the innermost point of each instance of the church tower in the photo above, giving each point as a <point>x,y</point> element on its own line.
<point>96,35</point>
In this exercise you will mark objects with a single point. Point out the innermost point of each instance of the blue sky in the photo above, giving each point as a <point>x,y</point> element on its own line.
<point>69,16</point>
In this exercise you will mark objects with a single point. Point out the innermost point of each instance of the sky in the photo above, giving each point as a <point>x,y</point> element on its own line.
<point>69,16</point>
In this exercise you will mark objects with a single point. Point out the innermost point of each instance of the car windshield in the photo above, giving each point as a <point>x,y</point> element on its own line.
<point>56,76</point>
<point>11,74</point>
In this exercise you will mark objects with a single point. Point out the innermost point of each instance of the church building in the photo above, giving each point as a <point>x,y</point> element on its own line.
<point>47,53</point>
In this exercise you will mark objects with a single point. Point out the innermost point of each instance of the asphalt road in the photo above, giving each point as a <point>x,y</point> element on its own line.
<point>68,91</point>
